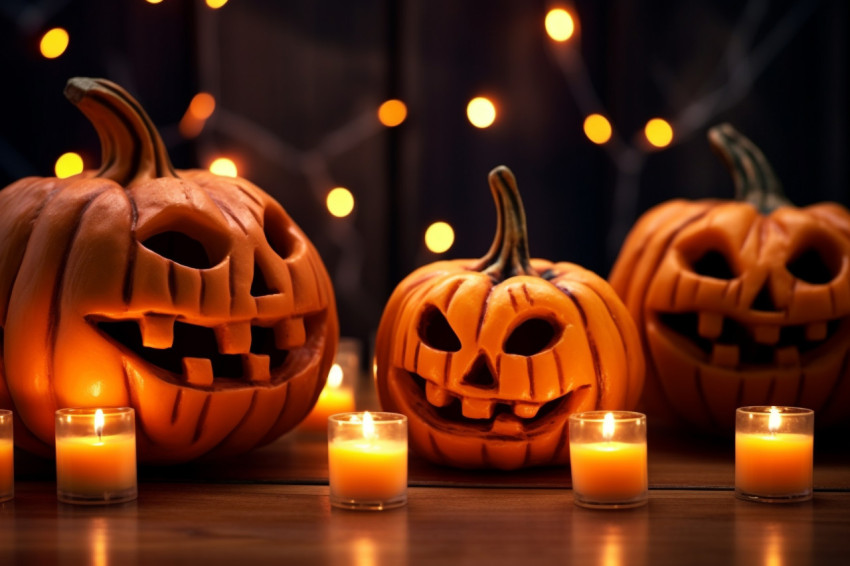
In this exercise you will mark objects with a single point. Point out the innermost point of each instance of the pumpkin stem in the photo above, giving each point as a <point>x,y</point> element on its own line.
<point>131,148</point>
<point>508,255</point>
<point>755,181</point>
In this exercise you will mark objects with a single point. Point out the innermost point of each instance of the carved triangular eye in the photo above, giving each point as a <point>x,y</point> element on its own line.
<point>815,265</point>
<point>436,332</point>
<point>531,337</point>
<point>713,263</point>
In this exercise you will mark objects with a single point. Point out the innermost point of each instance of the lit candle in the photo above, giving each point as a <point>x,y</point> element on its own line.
<point>7,456</point>
<point>608,459</point>
<point>774,448</point>
<point>96,455</point>
<point>367,460</point>
<point>333,399</point>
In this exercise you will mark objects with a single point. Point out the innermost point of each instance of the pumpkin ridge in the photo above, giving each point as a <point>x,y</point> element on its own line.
<point>594,351</point>
<point>202,419</point>
<point>175,409</point>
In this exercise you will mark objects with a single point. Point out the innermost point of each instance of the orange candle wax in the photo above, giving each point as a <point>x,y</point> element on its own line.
<point>774,447</point>
<point>367,460</point>
<point>609,471</point>
<point>7,469</point>
<point>94,466</point>
<point>332,401</point>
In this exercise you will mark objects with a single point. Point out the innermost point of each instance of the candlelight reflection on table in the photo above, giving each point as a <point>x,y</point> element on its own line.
<point>7,456</point>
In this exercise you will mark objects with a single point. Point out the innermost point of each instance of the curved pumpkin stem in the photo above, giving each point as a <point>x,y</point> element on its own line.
<point>131,148</point>
<point>755,181</point>
<point>508,255</point>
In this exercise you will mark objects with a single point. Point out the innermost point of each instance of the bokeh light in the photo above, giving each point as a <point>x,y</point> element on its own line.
<point>202,105</point>
<point>68,164</point>
<point>597,128</point>
<point>224,166</point>
<point>560,24</point>
<point>439,237</point>
<point>54,43</point>
<point>340,202</point>
<point>481,112</point>
<point>392,113</point>
<point>658,132</point>
<point>216,4</point>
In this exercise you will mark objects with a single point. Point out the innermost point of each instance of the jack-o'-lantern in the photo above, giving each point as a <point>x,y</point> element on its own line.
<point>741,302</point>
<point>191,297</point>
<point>489,357</point>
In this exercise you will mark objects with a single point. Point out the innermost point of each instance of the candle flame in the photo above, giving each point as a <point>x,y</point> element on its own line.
<point>774,420</point>
<point>334,377</point>
<point>98,423</point>
<point>608,426</point>
<point>368,425</point>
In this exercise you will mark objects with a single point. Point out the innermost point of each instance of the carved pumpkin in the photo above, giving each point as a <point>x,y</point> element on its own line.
<point>489,357</point>
<point>741,302</point>
<point>190,297</point>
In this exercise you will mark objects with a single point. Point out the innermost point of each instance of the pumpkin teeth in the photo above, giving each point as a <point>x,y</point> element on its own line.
<point>255,368</point>
<point>436,395</point>
<point>157,331</point>
<point>766,334</point>
<point>816,331</point>
<point>789,356</point>
<point>526,410</point>
<point>477,408</point>
<point>710,325</point>
<point>198,371</point>
<point>727,355</point>
<point>290,333</point>
<point>234,338</point>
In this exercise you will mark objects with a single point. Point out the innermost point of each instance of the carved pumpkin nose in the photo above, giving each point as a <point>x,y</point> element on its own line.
<point>764,299</point>
<point>480,376</point>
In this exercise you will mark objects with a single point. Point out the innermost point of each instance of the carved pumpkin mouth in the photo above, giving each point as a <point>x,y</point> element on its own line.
<point>459,414</point>
<point>235,354</point>
<point>714,339</point>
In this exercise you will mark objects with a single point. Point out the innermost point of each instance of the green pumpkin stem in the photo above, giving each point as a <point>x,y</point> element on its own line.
<point>508,255</point>
<point>755,181</point>
<point>131,148</point>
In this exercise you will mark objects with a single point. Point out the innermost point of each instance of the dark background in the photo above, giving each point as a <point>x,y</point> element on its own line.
<point>297,83</point>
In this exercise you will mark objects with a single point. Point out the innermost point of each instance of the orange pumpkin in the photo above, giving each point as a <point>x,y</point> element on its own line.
<point>741,302</point>
<point>489,357</point>
<point>192,298</point>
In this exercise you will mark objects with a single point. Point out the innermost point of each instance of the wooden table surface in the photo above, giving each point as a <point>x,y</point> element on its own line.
<point>271,506</point>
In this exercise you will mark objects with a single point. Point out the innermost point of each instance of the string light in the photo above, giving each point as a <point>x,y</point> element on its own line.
<point>597,128</point>
<point>68,165</point>
<point>439,237</point>
<point>200,108</point>
<point>559,24</point>
<point>658,132</point>
<point>392,113</point>
<point>340,202</point>
<point>54,43</point>
<point>481,112</point>
<point>224,166</point>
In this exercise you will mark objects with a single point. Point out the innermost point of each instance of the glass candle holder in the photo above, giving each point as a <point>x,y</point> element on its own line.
<point>608,459</point>
<point>367,460</point>
<point>96,455</point>
<point>7,456</point>
<point>774,448</point>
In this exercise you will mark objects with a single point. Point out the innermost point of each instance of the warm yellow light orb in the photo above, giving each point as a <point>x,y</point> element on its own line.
<point>439,237</point>
<point>68,164</point>
<point>658,132</point>
<point>216,4</point>
<point>597,128</point>
<point>202,105</point>
<point>559,24</point>
<point>481,112</point>
<point>154,1</point>
<point>224,166</point>
<point>392,113</point>
<point>54,43</point>
<point>340,202</point>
